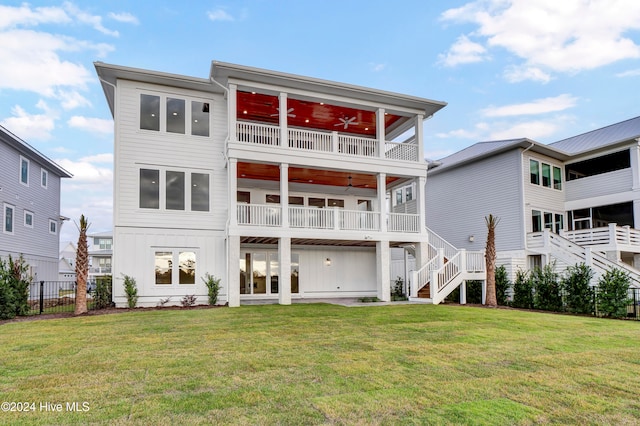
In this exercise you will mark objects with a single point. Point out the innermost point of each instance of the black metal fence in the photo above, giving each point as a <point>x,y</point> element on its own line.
<point>52,297</point>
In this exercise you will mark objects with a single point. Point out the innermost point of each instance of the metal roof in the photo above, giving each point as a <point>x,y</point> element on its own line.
<point>489,148</point>
<point>601,138</point>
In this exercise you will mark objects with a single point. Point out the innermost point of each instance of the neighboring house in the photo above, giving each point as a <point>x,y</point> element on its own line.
<point>276,183</point>
<point>573,201</point>
<point>100,254</point>
<point>67,263</point>
<point>30,200</point>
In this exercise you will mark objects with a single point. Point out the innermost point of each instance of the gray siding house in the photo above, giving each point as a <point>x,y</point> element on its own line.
<point>30,200</point>
<point>568,202</point>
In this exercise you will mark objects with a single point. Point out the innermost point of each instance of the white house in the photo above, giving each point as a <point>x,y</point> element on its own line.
<point>100,254</point>
<point>278,184</point>
<point>30,200</point>
<point>572,201</point>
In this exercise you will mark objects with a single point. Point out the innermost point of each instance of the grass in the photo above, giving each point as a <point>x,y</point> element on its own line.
<point>324,364</point>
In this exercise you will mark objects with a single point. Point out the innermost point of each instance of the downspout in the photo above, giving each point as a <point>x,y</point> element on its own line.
<point>522,188</point>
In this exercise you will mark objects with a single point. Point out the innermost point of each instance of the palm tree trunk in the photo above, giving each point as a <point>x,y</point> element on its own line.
<point>82,267</point>
<point>490,257</point>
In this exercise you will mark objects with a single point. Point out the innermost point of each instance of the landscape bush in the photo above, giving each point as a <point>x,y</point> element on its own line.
<point>613,293</point>
<point>502,285</point>
<point>397,293</point>
<point>213,288</point>
<point>546,286</point>
<point>14,288</point>
<point>102,296</point>
<point>523,290</point>
<point>577,289</point>
<point>131,291</point>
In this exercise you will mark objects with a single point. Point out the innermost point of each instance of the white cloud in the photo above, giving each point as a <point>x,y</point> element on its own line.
<point>219,15</point>
<point>554,36</point>
<point>458,133</point>
<point>94,21</point>
<point>538,106</point>
<point>463,51</point>
<point>530,129</point>
<point>629,73</point>
<point>86,171</point>
<point>124,17</point>
<point>72,99</point>
<point>96,125</point>
<point>516,74</point>
<point>377,67</point>
<point>30,126</point>
<point>23,15</point>
<point>106,158</point>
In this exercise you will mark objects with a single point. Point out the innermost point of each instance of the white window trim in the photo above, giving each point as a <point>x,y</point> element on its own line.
<point>175,268</point>
<point>540,179</point>
<point>26,213</point>
<point>45,173</point>
<point>51,221</point>
<point>163,113</point>
<point>20,170</point>
<point>162,198</point>
<point>4,218</point>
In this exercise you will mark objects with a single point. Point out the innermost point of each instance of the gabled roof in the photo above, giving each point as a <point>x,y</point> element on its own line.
<point>30,152</point>
<point>487,149</point>
<point>601,138</point>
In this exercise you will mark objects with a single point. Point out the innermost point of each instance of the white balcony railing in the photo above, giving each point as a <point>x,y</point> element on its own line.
<point>313,140</point>
<point>317,218</point>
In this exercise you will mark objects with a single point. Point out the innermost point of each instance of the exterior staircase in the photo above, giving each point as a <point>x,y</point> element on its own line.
<point>446,268</point>
<point>570,253</point>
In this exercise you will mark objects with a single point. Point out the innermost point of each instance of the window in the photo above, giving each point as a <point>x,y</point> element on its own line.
<point>179,116</point>
<point>534,171</point>
<point>546,175</point>
<point>536,221</point>
<point>103,243</point>
<point>199,118</point>
<point>595,166</point>
<point>409,193</point>
<point>546,220</point>
<point>8,219</point>
<point>398,196</point>
<point>175,115</point>
<point>149,189</point>
<point>28,219</point>
<point>176,196</point>
<point>335,202</point>
<point>175,267</point>
<point>557,178</point>
<point>150,112</point>
<point>24,171</point>
<point>199,192</point>
<point>44,178</point>
<point>53,226</point>
<point>175,190</point>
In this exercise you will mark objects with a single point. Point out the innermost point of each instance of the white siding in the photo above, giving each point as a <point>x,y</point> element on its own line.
<point>610,183</point>
<point>458,200</point>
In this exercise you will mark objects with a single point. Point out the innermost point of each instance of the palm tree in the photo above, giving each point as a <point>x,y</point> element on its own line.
<point>490,257</point>
<point>82,267</point>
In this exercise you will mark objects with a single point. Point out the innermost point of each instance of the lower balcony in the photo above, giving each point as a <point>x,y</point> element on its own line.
<point>330,218</point>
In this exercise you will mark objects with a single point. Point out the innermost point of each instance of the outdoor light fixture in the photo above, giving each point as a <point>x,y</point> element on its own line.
<point>327,262</point>
<point>471,238</point>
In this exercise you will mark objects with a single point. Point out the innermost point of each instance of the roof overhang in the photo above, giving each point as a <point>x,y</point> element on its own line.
<point>30,152</point>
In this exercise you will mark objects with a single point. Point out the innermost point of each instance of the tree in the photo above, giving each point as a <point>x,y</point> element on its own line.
<point>613,293</point>
<point>82,267</point>
<point>490,257</point>
<point>577,287</point>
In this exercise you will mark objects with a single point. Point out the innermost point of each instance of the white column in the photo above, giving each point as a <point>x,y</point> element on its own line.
<point>383,275</point>
<point>382,200</point>
<point>284,279</point>
<point>420,137</point>
<point>232,110</point>
<point>380,131</point>
<point>635,165</point>
<point>463,293</point>
<point>233,270</point>
<point>284,133</point>
<point>422,204</point>
<point>233,191</point>
<point>284,195</point>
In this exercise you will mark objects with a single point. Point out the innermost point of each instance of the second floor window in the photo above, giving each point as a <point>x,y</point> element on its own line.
<point>544,174</point>
<point>24,171</point>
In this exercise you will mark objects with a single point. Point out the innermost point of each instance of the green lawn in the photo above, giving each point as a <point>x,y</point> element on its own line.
<point>324,364</point>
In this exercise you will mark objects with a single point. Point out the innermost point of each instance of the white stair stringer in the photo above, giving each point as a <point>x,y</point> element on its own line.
<point>570,253</point>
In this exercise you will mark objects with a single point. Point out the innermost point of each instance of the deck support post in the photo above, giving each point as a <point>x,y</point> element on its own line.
<point>233,276</point>
<point>284,276</point>
<point>383,275</point>
<point>463,293</point>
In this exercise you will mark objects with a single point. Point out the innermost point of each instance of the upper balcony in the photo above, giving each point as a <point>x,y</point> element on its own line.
<point>318,126</point>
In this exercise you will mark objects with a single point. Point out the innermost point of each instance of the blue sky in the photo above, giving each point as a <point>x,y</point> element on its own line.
<point>542,69</point>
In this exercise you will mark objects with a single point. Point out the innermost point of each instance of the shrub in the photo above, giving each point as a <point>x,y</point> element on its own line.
<point>547,295</point>
<point>14,288</point>
<point>502,284</point>
<point>613,293</point>
<point>164,301</point>
<point>102,297</point>
<point>188,300</point>
<point>213,287</point>
<point>577,289</point>
<point>398,290</point>
<point>131,291</point>
<point>523,290</point>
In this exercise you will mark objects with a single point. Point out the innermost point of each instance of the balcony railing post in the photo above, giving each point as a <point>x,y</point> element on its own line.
<point>613,240</point>
<point>334,141</point>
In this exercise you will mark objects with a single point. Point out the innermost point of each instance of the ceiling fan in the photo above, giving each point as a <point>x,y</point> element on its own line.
<point>351,185</point>
<point>346,121</point>
<point>289,113</point>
